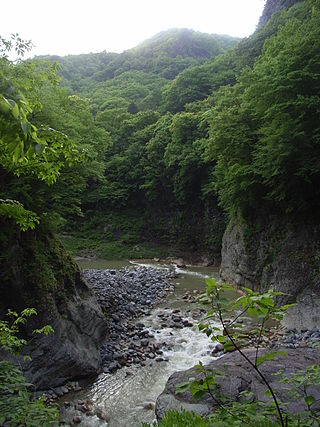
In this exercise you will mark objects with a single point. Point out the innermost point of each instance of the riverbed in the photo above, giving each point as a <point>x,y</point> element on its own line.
<point>127,397</point>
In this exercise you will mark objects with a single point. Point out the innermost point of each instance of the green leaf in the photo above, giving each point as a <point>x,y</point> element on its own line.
<point>270,356</point>
<point>15,111</point>
<point>310,400</point>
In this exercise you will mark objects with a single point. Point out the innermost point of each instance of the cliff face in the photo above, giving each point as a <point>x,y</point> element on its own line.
<point>272,6</point>
<point>284,256</point>
<point>36,272</point>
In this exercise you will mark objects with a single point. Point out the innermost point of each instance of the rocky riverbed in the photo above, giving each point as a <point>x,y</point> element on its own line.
<point>124,295</point>
<point>146,331</point>
<point>151,317</point>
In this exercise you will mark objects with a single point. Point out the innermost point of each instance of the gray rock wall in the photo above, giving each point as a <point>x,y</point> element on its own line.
<point>272,6</point>
<point>37,272</point>
<point>73,350</point>
<point>280,255</point>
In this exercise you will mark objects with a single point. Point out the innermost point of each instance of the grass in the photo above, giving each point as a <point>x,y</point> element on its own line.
<point>97,247</point>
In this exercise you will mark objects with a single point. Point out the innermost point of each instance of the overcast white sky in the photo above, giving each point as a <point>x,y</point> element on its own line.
<point>77,26</point>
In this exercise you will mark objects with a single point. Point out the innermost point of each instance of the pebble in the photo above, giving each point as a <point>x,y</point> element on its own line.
<point>76,419</point>
<point>292,338</point>
<point>148,405</point>
<point>102,415</point>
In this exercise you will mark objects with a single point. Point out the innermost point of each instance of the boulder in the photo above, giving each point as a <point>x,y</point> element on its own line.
<point>239,376</point>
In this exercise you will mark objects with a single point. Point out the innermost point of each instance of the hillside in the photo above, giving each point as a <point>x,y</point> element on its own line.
<point>150,137</point>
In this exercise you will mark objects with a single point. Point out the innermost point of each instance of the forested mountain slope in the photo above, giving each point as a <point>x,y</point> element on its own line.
<point>155,166</point>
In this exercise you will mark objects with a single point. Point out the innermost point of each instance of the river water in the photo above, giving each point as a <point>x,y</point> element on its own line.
<point>129,395</point>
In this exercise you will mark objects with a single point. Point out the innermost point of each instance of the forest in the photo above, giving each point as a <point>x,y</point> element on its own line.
<point>178,134</point>
<point>152,152</point>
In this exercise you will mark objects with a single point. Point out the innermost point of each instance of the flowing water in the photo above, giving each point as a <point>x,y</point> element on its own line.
<point>128,396</point>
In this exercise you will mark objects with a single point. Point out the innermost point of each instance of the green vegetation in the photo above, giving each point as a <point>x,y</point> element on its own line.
<point>154,148</point>
<point>186,128</point>
<point>181,419</point>
<point>235,335</point>
<point>17,408</point>
<point>265,130</point>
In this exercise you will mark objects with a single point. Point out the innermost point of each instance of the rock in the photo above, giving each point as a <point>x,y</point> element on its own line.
<point>239,377</point>
<point>148,405</point>
<point>219,347</point>
<point>65,301</point>
<point>145,342</point>
<point>76,419</point>
<point>179,263</point>
<point>273,6</point>
<point>113,366</point>
<point>277,256</point>
<point>102,415</point>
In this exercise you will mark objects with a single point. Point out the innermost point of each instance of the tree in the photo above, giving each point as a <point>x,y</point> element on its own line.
<point>25,149</point>
<point>265,129</point>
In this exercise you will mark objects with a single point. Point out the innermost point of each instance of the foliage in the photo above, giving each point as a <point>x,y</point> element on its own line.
<point>181,419</point>
<point>16,405</point>
<point>25,149</point>
<point>265,129</point>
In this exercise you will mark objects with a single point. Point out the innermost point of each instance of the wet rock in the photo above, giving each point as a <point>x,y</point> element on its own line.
<point>76,419</point>
<point>149,406</point>
<point>217,349</point>
<point>113,366</point>
<point>102,415</point>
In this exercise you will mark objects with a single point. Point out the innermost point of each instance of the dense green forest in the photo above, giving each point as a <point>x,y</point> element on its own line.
<point>172,137</point>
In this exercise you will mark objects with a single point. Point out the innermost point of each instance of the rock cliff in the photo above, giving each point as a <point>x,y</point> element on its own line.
<point>277,254</point>
<point>273,6</point>
<point>36,272</point>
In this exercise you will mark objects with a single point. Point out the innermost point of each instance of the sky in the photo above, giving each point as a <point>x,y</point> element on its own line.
<point>62,27</point>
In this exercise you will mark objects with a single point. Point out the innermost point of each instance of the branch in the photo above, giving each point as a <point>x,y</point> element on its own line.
<point>253,366</point>
<point>259,339</point>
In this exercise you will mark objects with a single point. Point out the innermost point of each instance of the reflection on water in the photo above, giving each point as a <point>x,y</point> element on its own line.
<point>129,395</point>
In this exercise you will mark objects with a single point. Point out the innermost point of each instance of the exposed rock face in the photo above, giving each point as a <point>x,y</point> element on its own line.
<point>273,6</point>
<point>73,350</point>
<point>39,274</point>
<point>239,377</point>
<point>285,257</point>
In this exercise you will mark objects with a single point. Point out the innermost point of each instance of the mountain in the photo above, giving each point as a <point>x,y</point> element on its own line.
<point>166,54</point>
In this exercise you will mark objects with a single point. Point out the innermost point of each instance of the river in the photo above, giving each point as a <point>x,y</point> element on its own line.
<point>128,396</point>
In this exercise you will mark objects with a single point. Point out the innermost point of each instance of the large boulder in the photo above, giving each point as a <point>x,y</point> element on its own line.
<point>239,376</point>
<point>37,272</point>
